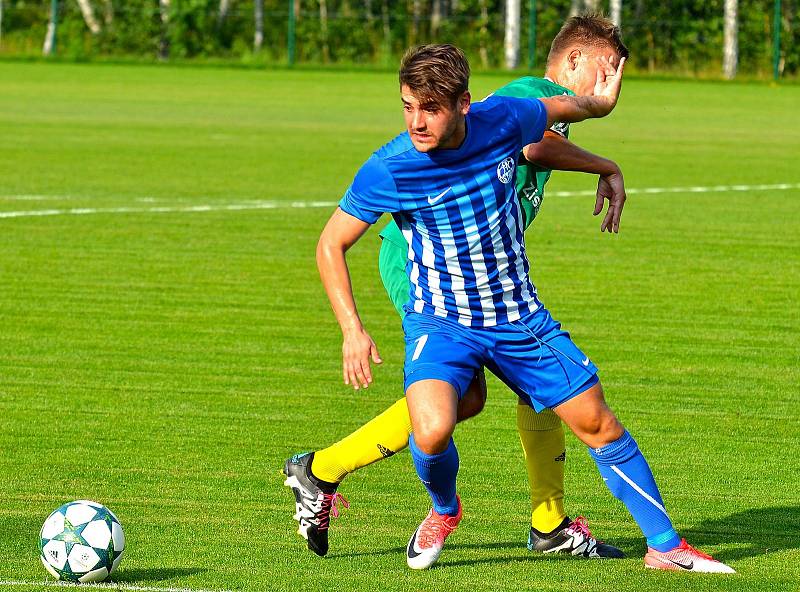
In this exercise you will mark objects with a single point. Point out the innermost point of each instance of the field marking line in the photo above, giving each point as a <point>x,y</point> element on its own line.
<point>275,205</point>
<point>255,205</point>
<point>102,586</point>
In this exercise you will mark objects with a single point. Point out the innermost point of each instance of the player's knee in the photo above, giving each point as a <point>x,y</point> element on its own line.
<point>601,429</point>
<point>433,437</point>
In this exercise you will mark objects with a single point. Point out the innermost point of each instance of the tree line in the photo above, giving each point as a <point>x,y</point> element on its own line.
<point>677,36</point>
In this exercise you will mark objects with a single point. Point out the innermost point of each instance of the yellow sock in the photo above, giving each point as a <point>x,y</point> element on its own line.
<point>542,437</point>
<point>379,438</point>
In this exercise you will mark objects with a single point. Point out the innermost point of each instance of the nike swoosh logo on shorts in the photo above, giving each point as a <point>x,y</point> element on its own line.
<point>433,200</point>
<point>586,362</point>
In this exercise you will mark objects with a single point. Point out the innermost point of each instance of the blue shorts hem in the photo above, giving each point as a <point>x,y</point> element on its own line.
<point>432,372</point>
<point>590,382</point>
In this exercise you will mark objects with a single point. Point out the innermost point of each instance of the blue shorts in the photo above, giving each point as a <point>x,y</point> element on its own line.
<point>533,356</point>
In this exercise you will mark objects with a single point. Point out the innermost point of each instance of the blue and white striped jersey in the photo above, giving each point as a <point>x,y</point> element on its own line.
<point>459,212</point>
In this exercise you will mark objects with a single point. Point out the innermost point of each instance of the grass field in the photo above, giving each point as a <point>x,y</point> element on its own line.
<point>166,343</point>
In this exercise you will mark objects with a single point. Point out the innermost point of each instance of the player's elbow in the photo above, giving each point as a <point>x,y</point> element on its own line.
<point>536,152</point>
<point>329,250</point>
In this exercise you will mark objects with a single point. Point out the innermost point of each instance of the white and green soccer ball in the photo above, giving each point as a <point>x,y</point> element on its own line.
<point>82,541</point>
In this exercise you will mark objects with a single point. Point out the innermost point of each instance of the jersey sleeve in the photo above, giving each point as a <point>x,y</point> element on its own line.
<point>561,128</point>
<point>532,117</point>
<point>372,192</point>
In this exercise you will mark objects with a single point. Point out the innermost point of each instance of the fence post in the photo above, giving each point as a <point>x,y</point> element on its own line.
<point>776,42</point>
<point>532,35</point>
<point>290,42</point>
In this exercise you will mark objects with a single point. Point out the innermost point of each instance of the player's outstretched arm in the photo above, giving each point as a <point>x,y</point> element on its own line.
<point>569,109</point>
<point>557,153</point>
<point>340,233</point>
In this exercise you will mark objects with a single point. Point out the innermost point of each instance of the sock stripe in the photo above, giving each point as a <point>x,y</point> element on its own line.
<point>639,490</point>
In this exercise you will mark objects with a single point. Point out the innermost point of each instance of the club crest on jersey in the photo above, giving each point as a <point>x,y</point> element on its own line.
<point>505,170</point>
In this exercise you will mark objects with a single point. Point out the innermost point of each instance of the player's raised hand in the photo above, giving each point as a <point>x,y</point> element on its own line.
<point>357,349</point>
<point>609,83</point>
<point>610,187</point>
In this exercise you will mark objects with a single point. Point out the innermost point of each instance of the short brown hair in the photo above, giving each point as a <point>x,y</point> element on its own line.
<point>593,30</point>
<point>436,73</point>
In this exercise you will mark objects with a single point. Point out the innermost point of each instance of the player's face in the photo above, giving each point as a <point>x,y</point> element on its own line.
<point>583,65</point>
<point>432,125</point>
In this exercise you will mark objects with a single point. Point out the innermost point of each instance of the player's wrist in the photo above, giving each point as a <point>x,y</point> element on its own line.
<point>608,168</point>
<point>351,328</point>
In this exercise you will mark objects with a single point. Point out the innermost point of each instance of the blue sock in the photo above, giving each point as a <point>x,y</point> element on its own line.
<point>629,478</point>
<point>438,473</point>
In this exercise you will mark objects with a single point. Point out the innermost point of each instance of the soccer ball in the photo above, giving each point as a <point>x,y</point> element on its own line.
<point>82,541</point>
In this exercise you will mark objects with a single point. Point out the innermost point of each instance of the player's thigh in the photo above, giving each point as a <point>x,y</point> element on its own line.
<point>474,400</point>
<point>539,361</point>
<point>437,349</point>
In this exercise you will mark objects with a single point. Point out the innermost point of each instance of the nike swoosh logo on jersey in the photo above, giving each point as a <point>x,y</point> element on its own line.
<point>411,551</point>
<point>586,362</point>
<point>433,200</point>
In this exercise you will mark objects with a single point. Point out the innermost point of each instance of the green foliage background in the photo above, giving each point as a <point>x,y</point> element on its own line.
<point>679,36</point>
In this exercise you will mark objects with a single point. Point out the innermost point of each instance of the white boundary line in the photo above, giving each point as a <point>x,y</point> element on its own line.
<point>107,586</point>
<point>256,205</point>
<point>279,205</point>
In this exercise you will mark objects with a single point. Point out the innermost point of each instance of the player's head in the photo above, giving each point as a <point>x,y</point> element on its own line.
<point>434,83</point>
<point>572,61</point>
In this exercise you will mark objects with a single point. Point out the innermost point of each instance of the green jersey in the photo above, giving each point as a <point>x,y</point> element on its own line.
<point>531,178</point>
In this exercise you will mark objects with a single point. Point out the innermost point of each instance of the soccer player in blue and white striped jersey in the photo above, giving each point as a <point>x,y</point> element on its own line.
<point>449,184</point>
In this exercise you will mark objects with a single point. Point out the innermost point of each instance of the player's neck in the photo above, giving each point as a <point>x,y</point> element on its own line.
<point>456,140</point>
<point>555,77</point>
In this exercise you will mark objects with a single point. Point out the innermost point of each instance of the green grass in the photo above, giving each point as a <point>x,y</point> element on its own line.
<point>166,364</point>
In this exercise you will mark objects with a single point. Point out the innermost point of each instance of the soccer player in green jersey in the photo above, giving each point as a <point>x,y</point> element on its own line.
<point>585,46</point>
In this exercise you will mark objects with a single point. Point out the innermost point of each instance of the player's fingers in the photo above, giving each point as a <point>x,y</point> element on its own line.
<point>359,373</point>
<point>352,372</point>
<point>598,204</point>
<point>608,219</point>
<point>618,215</point>
<point>366,370</point>
<point>345,372</point>
<point>376,357</point>
<point>621,66</point>
<point>608,66</point>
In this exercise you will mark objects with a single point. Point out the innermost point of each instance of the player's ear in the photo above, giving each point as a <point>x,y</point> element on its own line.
<point>464,103</point>
<point>574,58</point>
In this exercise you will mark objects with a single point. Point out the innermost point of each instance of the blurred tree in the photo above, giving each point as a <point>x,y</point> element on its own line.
<point>224,8</point>
<point>163,46</point>
<point>512,34</point>
<point>258,18</point>
<point>731,45</point>
<point>88,16</point>
<point>615,8</point>
<point>323,27</point>
<point>50,36</point>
